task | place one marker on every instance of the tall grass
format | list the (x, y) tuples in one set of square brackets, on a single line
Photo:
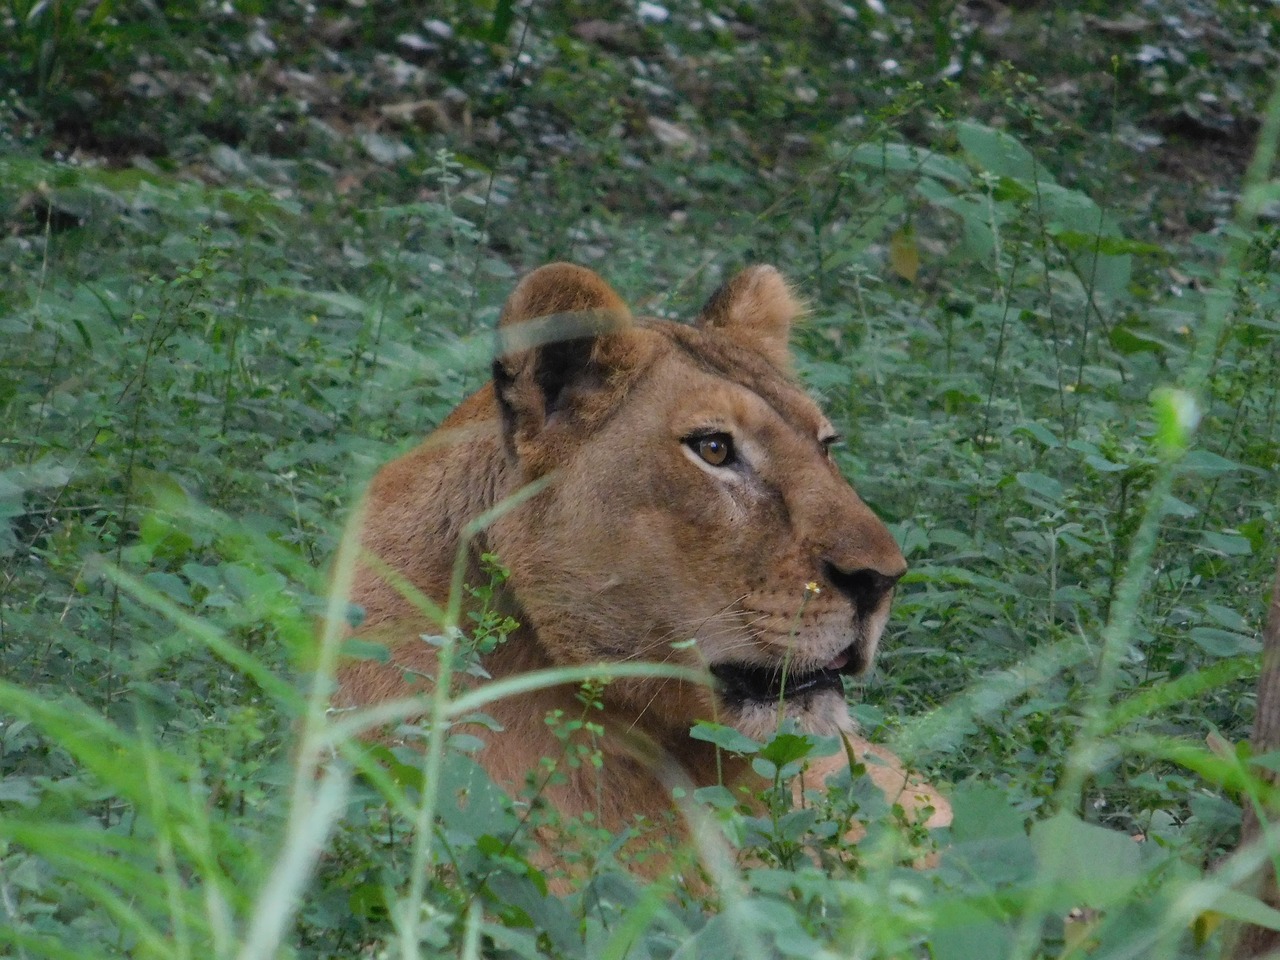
[(1080, 464)]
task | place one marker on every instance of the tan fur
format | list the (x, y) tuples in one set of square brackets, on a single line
[(758, 306), (635, 544)]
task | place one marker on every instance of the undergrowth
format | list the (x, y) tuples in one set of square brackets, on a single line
[(250, 254)]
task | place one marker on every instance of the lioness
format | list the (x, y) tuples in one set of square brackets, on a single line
[(689, 496)]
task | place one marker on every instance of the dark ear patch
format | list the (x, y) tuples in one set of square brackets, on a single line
[(559, 368), (557, 337), (561, 365)]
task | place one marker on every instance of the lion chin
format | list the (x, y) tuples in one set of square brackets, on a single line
[(686, 511)]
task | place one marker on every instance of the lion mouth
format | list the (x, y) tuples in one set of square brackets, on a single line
[(742, 683)]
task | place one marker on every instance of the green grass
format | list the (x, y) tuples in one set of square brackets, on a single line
[(224, 302)]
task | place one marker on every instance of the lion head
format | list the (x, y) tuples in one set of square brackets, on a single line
[(693, 512), (690, 511)]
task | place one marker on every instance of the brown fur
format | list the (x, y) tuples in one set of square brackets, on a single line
[(636, 544)]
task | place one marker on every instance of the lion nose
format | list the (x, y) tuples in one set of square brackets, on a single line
[(867, 588)]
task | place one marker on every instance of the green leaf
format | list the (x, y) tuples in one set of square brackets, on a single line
[(368, 900), (1129, 339), (1173, 507), (84, 334), (794, 825), (1122, 246), (786, 748), (982, 811), (975, 218), (1046, 487), (19, 790), (1090, 862), (1205, 463), (1256, 532), (990, 844), (1226, 617), (716, 796), (1246, 908), (1042, 433), (1230, 544), (1222, 643), (765, 768), (905, 158), (1102, 465), (726, 738), (1267, 761), (504, 14), (940, 574), (997, 152), (172, 587), (978, 938)]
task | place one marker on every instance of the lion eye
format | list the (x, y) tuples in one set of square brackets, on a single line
[(715, 448)]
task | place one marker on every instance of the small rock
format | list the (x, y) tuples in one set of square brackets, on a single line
[(413, 43), (261, 44), (142, 84), (382, 149), (438, 29), (1130, 25), (652, 12), (611, 35), (672, 135), (426, 114)]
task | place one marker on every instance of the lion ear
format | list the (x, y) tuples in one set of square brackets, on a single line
[(756, 307), (553, 339)]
